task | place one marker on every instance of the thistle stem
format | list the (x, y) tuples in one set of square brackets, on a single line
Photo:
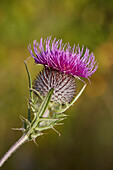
[(29, 133), (21, 141)]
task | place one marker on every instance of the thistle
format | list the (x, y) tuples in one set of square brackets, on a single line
[(53, 90)]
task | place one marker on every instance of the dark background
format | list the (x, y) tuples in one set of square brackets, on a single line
[(87, 135)]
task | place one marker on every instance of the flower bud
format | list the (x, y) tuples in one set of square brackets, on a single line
[(63, 84)]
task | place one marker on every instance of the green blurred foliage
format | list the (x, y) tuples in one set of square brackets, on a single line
[(87, 135)]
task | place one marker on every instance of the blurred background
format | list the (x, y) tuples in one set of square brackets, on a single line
[(86, 142)]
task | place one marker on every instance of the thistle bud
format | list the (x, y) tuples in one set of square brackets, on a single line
[(63, 84)]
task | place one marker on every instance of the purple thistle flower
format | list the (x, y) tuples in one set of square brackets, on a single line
[(56, 55)]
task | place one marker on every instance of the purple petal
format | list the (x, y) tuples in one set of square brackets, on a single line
[(62, 57)]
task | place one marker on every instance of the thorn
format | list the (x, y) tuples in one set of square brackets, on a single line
[(28, 101), (41, 134), (80, 79), (59, 124), (56, 131), (28, 105), (35, 142), (24, 119), (65, 115), (63, 118), (19, 129)]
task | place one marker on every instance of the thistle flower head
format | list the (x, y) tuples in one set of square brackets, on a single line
[(69, 60), (62, 63), (63, 85)]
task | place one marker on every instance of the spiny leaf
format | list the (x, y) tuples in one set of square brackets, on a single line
[(29, 78)]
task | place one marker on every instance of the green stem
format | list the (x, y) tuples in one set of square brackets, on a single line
[(27, 136)]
